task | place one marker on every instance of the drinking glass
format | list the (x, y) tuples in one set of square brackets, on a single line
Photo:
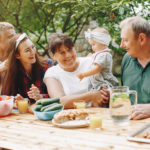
[(120, 104), (95, 121), (23, 105), (79, 105)]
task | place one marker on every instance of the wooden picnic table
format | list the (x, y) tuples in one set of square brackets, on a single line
[(25, 131)]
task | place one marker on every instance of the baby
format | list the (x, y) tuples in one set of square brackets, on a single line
[(100, 74)]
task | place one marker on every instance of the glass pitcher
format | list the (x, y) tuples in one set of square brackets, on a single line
[(120, 104)]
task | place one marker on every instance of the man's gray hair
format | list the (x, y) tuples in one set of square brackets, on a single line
[(138, 25)]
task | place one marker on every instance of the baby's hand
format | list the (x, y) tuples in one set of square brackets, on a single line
[(80, 76)]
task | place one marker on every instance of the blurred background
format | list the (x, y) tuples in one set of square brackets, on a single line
[(40, 18)]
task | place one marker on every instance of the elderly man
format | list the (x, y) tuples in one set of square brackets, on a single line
[(135, 34), (6, 32)]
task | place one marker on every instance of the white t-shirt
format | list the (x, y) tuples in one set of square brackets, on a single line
[(69, 80)]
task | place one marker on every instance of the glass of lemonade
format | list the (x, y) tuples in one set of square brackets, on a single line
[(95, 121), (120, 104), (23, 105), (79, 105)]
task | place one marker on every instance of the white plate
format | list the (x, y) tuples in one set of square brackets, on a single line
[(72, 124)]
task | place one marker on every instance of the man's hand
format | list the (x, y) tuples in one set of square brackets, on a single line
[(140, 111)]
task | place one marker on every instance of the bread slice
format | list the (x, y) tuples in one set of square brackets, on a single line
[(70, 114)]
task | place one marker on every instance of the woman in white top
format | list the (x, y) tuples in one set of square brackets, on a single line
[(61, 80)]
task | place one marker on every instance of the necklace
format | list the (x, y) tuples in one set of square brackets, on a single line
[(28, 76)]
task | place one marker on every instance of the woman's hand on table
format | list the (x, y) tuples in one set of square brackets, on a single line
[(140, 111), (34, 93)]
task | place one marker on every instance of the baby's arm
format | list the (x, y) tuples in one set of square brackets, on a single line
[(95, 69)]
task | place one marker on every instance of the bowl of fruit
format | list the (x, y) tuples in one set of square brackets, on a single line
[(46, 108), (6, 105)]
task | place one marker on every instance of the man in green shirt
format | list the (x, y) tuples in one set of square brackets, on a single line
[(135, 34)]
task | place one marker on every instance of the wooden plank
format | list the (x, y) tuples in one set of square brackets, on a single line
[(18, 130)]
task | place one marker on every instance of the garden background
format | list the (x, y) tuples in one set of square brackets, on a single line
[(40, 18)]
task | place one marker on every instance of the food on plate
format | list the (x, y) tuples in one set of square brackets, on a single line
[(147, 135), (70, 114)]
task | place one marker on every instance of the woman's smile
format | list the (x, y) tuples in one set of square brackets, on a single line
[(33, 57), (68, 60)]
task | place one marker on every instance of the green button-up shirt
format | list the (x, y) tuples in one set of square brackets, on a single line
[(136, 78)]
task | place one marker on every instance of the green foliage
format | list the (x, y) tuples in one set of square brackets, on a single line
[(39, 18)]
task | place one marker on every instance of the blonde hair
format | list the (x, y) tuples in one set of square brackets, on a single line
[(100, 30), (4, 26), (99, 35)]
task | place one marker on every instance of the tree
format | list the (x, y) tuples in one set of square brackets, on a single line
[(38, 18)]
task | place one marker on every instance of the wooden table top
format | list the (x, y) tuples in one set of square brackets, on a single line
[(25, 131)]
